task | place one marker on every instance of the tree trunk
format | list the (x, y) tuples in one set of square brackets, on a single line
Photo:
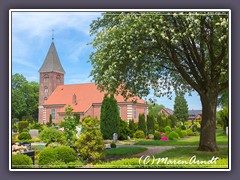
[(208, 123)]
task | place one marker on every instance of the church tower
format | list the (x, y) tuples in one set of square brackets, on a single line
[(51, 75)]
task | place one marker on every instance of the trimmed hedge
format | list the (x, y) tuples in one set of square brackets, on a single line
[(139, 134), (157, 136), (24, 136), (21, 161), (173, 135)]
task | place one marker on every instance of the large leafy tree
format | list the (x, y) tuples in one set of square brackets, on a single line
[(165, 51), (109, 118), (24, 97), (181, 107)]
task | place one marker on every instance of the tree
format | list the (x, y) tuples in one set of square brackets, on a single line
[(109, 118), (165, 51), (154, 108), (24, 98), (124, 130), (142, 123), (90, 144), (69, 126), (173, 120), (150, 124), (77, 117), (181, 108)]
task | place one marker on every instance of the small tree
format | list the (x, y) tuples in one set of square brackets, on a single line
[(142, 123), (109, 119), (90, 144), (124, 130), (159, 120), (49, 124), (77, 117), (181, 108), (69, 126), (150, 124), (173, 120)]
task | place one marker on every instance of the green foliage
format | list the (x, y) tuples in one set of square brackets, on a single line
[(124, 130), (90, 145), (142, 123), (189, 132), (181, 133), (24, 136), (159, 120), (65, 154), (36, 125), (14, 128), (162, 129), (154, 108), (132, 126), (183, 127), (168, 129), (173, 135), (77, 117), (53, 154), (69, 126), (123, 163), (157, 136), (75, 164), (224, 118), (50, 121), (181, 108), (51, 134), (21, 161), (110, 118), (150, 124), (113, 145), (173, 120), (24, 98), (139, 134), (124, 151), (22, 125)]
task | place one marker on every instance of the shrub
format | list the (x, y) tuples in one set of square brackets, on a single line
[(184, 133), (173, 120), (110, 118), (142, 123), (75, 164), (22, 125), (180, 133), (65, 154), (150, 124), (51, 134), (46, 156), (36, 125), (189, 132), (139, 134), (24, 136), (196, 133), (90, 144), (161, 129), (168, 129), (36, 140), (173, 135), (54, 144), (157, 136), (124, 130), (194, 127), (183, 127), (113, 145), (132, 126), (21, 161), (14, 128)]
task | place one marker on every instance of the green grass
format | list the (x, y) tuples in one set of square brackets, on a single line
[(124, 151), (176, 158), (39, 147), (189, 141)]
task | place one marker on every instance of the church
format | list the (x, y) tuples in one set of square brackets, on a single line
[(85, 99)]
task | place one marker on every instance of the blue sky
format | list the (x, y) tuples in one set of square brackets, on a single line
[(32, 36)]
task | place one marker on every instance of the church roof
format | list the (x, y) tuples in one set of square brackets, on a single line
[(80, 97), (52, 62)]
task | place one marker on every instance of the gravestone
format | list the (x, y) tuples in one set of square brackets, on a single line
[(34, 133), (115, 137), (226, 131)]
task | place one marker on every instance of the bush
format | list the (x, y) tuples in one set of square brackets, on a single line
[(75, 164), (139, 134), (173, 120), (46, 156), (183, 127), (132, 126), (65, 154), (90, 144), (124, 130), (184, 133), (113, 145), (150, 124), (54, 144), (51, 134), (22, 125), (168, 129), (161, 129), (157, 136), (24, 136), (36, 125), (14, 128), (173, 135), (142, 123), (189, 132), (21, 161)]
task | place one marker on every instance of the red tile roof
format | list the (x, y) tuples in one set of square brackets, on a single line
[(86, 95)]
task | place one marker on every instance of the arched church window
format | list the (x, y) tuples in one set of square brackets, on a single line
[(46, 89), (46, 78), (45, 99)]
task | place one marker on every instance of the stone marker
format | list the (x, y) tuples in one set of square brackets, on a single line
[(115, 137), (34, 133), (226, 131), (128, 138)]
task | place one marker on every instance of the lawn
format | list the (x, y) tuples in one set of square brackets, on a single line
[(187, 141), (176, 158), (124, 151)]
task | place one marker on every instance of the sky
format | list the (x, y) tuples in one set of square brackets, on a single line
[(32, 34)]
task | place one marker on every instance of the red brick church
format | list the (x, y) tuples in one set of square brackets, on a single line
[(85, 99)]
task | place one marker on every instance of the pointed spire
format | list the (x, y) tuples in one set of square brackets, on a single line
[(52, 62)]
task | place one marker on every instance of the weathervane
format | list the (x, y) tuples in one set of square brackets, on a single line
[(52, 34)]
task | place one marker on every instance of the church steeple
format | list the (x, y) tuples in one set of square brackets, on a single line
[(52, 62)]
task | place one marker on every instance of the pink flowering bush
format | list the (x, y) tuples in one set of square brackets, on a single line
[(164, 138)]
